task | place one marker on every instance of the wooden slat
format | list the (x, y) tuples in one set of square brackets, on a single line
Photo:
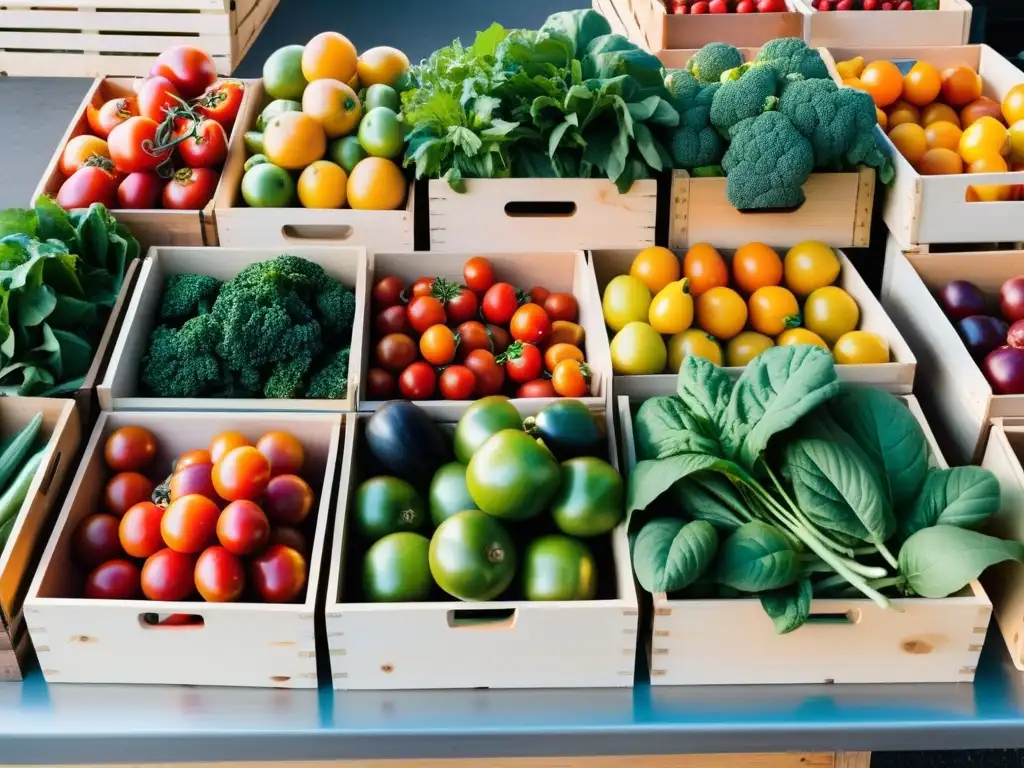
[(48, 64), (126, 5), (215, 45), (208, 23)]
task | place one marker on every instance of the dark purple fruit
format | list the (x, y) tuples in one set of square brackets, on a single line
[(1011, 299), (982, 334), (1004, 369), (961, 299)]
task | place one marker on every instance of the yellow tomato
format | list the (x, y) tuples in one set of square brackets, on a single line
[(721, 312), (656, 267), (773, 309), (672, 309), (1017, 141), (989, 193), (745, 347), (795, 337), (987, 136), (830, 312), (695, 343), (626, 300), (1013, 104), (638, 350), (850, 68), (322, 185), (861, 348), (809, 266)]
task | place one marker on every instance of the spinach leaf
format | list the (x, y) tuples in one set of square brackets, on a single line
[(666, 426), (651, 478), (670, 554), (713, 498), (705, 389), (757, 558), (942, 560), (581, 27), (789, 608), (962, 496)]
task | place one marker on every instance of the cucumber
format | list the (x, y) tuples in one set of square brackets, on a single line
[(15, 452), (14, 495), (5, 532)]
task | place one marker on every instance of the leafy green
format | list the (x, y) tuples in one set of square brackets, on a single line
[(962, 496), (940, 561), (789, 608), (711, 497), (672, 554), (757, 558)]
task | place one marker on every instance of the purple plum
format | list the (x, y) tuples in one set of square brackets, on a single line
[(982, 334), (1004, 369), (961, 299), (1011, 299)]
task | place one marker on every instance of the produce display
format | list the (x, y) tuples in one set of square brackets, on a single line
[(20, 460), (230, 523), (696, 7), (941, 122), (329, 134), (788, 486), (505, 502), (164, 147), (461, 342), (875, 5), (278, 329), (730, 311)]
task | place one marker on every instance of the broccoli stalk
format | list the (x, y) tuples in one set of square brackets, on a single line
[(767, 164)]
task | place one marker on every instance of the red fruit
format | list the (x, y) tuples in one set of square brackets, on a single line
[(745, 6), (825, 5), (279, 574), (288, 500), (530, 323), (771, 6), (718, 6), (243, 528), (417, 382), (219, 576), (391, 320), (872, 5), (139, 530), (242, 473), (537, 388), (462, 307), (425, 311), (168, 575), (679, 10), (130, 449), (387, 292), (1011, 299), (140, 191), (489, 375), (500, 303), (844, 5), (380, 385), (95, 540), (195, 478), (284, 452), (699, 7), (290, 537), (885, 6), (114, 580), (189, 524), (190, 69), (1015, 336), (457, 383), (124, 490), (906, 5)]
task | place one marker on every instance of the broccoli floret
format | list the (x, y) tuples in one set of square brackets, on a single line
[(180, 362), (287, 378), (708, 64), (186, 296), (695, 143), (748, 96), (791, 56), (331, 381), (682, 88), (767, 164)]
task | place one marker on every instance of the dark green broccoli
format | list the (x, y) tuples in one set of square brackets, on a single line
[(180, 362), (767, 164), (682, 87), (330, 382), (708, 64), (694, 142), (186, 296), (791, 56), (754, 92)]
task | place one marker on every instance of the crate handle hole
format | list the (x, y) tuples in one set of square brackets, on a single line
[(538, 209), (851, 616), (493, 618), (324, 233), (51, 472), (171, 621)]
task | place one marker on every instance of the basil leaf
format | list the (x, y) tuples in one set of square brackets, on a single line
[(670, 554), (789, 608), (942, 560), (757, 558), (964, 497)]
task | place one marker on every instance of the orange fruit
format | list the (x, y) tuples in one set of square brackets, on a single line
[(705, 268), (322, 185), (884, 81), (979, 108), (883, 119), (1017, 142), (1013, 104), (376, 184), (910, 140), (989, 193), (960, 85), (655, 267), (903, 112), (940, 162), (294, 140), (986, 137), (382, 64), (334, 105), (329, 56), (754, 266), (935, 113), (721, 312), (989, 164), (922, 84), (943, 135)]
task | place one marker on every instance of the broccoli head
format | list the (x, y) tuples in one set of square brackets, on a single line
[(748, 96), (180, 362), (708, 64), (791, 56), (695, 143), (767, 164), (186, 296), (330, 382), (682, 88)]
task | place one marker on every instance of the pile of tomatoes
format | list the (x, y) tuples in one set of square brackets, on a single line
[(471, 340), (228, 522), (163, 147)]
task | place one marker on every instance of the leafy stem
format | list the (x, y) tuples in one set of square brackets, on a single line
[(825, 539), (885, 553)]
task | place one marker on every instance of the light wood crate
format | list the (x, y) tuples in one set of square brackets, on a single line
[(540, 215), (150, 227), (558, 271), (237, 644), (949, 25), (956, 395), (93, 38), (457, 642), (239, 226), (733, 642), (896, 376), (62, 433), (119, 390)]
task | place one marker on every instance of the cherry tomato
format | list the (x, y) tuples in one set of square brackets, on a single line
[(221, 101), (242, 473), (207, 148), (537, 388), (561, 306), (114, 580), (124, 490), (219, 576), (523, 362), (391, 320), (380, 385), (130, 449), (128, 142), (490, 377), (243, 528), (417, 382), (139, 530), (156, 97), (500, 303), (478, 274), (425, 311), (190, 189), (189, 523), (437, 345), (89, 184), (422, 287), (196, 456), (530, 323), (539, 294), (556, 353), (168, 575), (195, 478), (462, 307), (279, 574), (110, 115), (457, 383), (571, 378), (472, 335), (284, 451), (396, 352), (500, 338), (140, 191), (387, 292), (288, 500), (81, 150), (290, 537), (191, 69), (224, 442), (95, 540)]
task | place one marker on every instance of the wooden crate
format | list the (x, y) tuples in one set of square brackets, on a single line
[(950, 25), (558, 271), (457, 643), (240, 226), (733, 642), (957, 396), (236, 644), (119, 390), (62, 432), (94, 38), (540, 215), (896, 377)]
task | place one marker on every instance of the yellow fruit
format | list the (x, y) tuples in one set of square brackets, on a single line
[(721, 312), (883, 119), (773, 309), (795, 337), (323, 185), (692, 343), (656, 267), (376, 184), (942, 134), (851, 68), (910, 140), (382, 64), (329, 55), (745, 347), (671, 310), (626, 300), (861, 348), (1017, 142), (987, 136), (903, 112), (294, 140), (830, 312), (638, 350), (334, 105), (809, 266)]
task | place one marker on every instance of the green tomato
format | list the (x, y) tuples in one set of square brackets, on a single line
[(397, 569), (512, 476), (380, 95), (626, 299), (386, 505), (275, 108), (448, 492), (266, 185), (484, 418), (559, 568), (254, 160), (638, 350), (380, 133), (472, 556), (346, 152), (253, 142), (282, 73), (591, 498)]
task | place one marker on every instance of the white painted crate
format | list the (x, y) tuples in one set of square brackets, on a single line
[(733, 642), (369, 643), (949, 25), (119, 390), (237, 644)]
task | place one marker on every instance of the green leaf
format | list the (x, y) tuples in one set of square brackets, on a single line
[(648, 146), (7, 337), (18, 221), (486, 42), (670, 554), (705, 390), (94, 234), (581, 27), (54, 224), (650, 479), (962, 496), (75, 354), (940, 561), (560, 130), (667, 426), (789, 608), (713, 498), (757, 558), (665, 115), (643, 110)]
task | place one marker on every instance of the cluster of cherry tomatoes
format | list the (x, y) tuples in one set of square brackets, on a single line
[(221, 504), (163, 147), (471, 340), (698, 7)]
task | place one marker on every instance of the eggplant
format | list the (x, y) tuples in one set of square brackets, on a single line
[(982, 334), (1004, 369), (406, 442), (961, 299), (1011, 299), (568, 429), (1015, 336)]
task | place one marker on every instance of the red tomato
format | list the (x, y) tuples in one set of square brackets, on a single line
[(219, 576), (537, 388), (139, 531), (500, 303), (207, 148), (279, 574), (243, 528), (500, 338), (530, 323), (396, 352), (111, 114), (417, 382), (437, 345), (539, 294), (140, 191), (193, 479), (95, 540), (457, 383), (490, 377), (290, 537), (88, 185), (380, 385), (523, 362), (561, 306), (462, 307), (82, 150), (472, 335), (221, 101), (242, 473), (124, 490), (478, 274), (288, 500), (571, 378), (132, 146), (224, 442), (391, 320), (189, 523), (114, 580), (190, 189), (284, 451), (425, 311), (168, 575), (191, 69), (196, 456), (387, 292), (422, 287), (157, 97), (130, 449)]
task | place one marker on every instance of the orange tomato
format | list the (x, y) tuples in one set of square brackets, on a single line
[(989, 193), (655, 267), (910, 140), (705, 268), (986, 137), (284, 452), (960, 85), (773, 309), (81, 150), (556, 353), (883, 81), (242, 473), (754, 266), (903, 112), (1013, 104), (979, 108), (922, 84), (437, 344), (225, 442), (188, 458), (935, 113), (940, 162), (883, 119), (571, 378), (190, 523), (943, 135), (721, 312)]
